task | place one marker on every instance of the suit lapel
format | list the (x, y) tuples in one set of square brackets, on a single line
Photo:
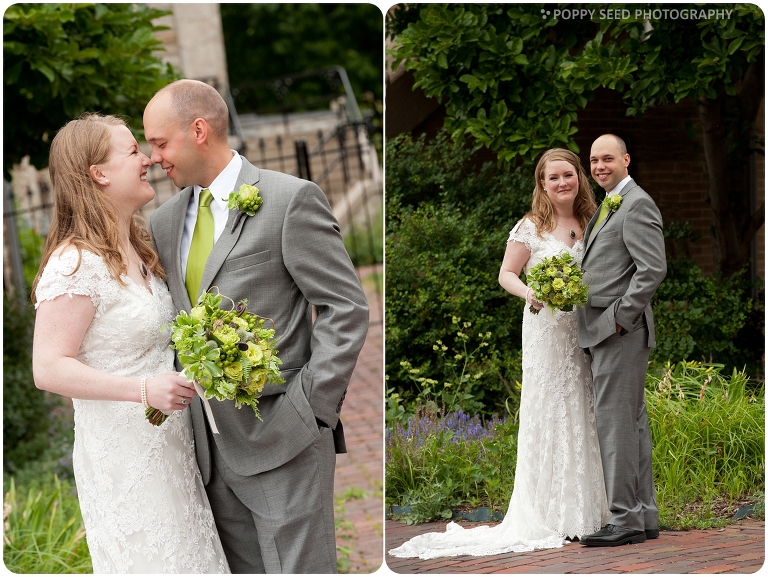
[(627, 187), (597, 229), (176, 276), (249, 174), (590, 236)]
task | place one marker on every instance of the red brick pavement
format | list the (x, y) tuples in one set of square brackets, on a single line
[(738, 548), (359, 478)]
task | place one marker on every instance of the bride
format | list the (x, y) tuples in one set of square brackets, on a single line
[(559, 491), (101, 338)]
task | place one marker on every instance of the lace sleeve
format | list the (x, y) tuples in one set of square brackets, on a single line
[(92, 279), (524, 232)]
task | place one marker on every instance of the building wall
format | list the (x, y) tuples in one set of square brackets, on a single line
[(194, 41), (668, 162)]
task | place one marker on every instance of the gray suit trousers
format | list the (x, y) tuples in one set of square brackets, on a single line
[(619, 364), (281, 520)]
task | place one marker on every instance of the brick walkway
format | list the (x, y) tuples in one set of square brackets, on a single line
[(360, 473), (738, 548)]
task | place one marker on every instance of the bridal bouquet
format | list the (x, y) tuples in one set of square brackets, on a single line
[(228, 353), (558, 282)]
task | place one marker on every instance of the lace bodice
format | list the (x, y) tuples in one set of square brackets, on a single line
[(559, 490), (140, 491), (542, 246), (128, 334)]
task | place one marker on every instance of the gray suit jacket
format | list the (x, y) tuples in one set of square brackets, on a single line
[(287, 257), (625, 257)]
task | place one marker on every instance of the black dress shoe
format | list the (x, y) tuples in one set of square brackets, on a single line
[(613, 535), (651, 533)]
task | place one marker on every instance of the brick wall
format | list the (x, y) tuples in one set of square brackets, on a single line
[(668, 162), (664, 160)]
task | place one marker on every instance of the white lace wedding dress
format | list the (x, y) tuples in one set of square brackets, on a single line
[(559, 491), (140, 490)]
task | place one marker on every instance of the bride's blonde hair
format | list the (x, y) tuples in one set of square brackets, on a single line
[(83, 215), (542, 213)]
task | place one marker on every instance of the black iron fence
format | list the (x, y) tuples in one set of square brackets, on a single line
[(340, 160)]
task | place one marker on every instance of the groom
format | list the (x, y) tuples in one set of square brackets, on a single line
[(269, 482), (624, 254)]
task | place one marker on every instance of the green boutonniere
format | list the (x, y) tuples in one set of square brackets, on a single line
[(245, 200), (613, 202)]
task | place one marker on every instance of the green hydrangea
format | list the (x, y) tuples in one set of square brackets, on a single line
[(246, 199), (558, 282), (227, 352)]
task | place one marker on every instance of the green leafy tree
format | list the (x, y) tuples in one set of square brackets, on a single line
[(267, 41), (60, 60), (513, 80)]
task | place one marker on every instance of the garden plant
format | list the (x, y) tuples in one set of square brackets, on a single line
[(708, 457)]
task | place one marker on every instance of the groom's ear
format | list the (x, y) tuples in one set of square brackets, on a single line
[(199, 130)]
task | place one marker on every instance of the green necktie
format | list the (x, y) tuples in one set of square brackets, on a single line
[(600, 217), (201, 246)]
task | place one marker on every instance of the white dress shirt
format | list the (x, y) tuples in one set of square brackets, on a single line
[(616, 189), (220, 189)]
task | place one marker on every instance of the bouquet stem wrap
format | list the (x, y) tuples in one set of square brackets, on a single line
[(206, 405)]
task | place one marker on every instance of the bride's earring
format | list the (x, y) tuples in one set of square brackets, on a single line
[(98, 176)]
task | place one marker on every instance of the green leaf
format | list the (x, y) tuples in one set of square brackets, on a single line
[(735, 44), (213, 369), (45, 70)]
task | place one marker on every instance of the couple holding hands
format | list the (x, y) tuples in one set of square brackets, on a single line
[(256, 497)]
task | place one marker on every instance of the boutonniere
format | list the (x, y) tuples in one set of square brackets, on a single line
[(245, 200), (613, 202)]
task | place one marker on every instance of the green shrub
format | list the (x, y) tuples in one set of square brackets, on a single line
[(31, 246), (447, 226), (26, 410), (44, 531), (698, 317), (472, 361)]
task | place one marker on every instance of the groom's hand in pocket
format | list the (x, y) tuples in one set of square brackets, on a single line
[(170, 391)]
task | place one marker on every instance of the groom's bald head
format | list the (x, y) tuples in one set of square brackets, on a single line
[(192, 99)]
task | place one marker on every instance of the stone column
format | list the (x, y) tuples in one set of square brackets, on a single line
[(194, 41)]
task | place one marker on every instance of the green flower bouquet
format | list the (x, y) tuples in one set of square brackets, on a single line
[(228, 353), (558, 282)]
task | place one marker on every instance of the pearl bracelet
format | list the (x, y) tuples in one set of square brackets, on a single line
[(526, 295), (144, 392)]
